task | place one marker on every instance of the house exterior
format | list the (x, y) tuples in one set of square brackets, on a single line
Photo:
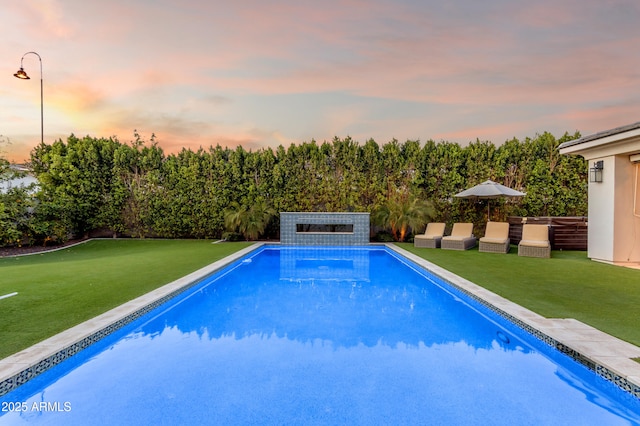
[(24, 181), (614, 193)]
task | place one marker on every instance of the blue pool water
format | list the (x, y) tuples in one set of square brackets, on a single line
[(320, 336)]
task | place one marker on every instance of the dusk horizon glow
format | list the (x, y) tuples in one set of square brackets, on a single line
[(206, 73)]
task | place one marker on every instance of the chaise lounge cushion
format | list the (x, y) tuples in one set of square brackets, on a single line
[(535, 241), (461, 237), (434, 229), (535, 235), (460, 231), (496, 232), (431, 237), (496, 238)]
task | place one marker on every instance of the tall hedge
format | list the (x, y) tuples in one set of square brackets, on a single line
[(136, 189)]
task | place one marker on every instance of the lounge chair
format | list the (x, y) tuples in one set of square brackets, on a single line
[(461, 237), (496, 238), (431, 237), (535, 241)]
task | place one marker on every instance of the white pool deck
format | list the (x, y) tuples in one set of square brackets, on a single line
[(601, 349)]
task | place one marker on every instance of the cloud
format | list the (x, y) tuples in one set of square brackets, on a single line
[(43, 19), (75, 98), (594, 118), (263, 73)]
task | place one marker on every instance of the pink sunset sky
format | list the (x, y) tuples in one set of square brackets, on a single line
[(263, 73)]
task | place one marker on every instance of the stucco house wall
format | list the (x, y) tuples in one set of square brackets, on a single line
[(601, 216), (614, 203), (626, 236)]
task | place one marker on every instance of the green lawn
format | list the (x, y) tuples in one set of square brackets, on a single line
[(568, 285), (58, 290)]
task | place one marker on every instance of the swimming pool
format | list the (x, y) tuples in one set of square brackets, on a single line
[(320, 336)]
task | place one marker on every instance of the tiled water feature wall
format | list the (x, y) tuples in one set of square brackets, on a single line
[(324, 229)]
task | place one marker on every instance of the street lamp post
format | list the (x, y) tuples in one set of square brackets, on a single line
[(21, 74)]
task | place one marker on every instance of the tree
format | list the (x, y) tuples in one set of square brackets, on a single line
[(479, 162), (139, 182), (250, 222), (371, 176), (442, 168), (403, 215), (77, 177), (89, 183), (15, 207), (17, 204)]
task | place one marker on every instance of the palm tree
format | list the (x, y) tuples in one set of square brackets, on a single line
[(404, 214), (249, 222)]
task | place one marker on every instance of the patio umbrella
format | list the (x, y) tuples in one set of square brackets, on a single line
[(488, 190)]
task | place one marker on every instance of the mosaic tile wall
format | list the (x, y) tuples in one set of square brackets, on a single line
[(289, 236)]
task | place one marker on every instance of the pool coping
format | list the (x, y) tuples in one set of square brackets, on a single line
[(607, 356)]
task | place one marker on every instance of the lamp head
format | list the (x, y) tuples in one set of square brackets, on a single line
[(21, 74)]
